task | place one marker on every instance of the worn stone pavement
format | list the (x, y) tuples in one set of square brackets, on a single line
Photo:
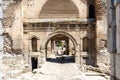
[(57, 69), (62, 71)]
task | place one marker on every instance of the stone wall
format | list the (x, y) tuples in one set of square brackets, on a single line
[(101, 32), (30, 9), (43, 37), (15, 12), (36, 6), (7, 43), (12, 22)]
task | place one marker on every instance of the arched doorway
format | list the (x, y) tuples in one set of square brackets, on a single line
[(61, 46)]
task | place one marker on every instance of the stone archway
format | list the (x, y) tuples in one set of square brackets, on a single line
[(67, 35)]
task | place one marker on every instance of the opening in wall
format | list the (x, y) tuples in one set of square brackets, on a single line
[(34, 44), (91, 11), (85, 44), (34, 61)]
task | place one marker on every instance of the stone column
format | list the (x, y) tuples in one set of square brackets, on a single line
[(52, 46), (38, 45), (118, 26), (81, 44), (40, 53), (1, 38), (112, 37), (67, 46), (68, 27), (27, 53), (77, 55), (117, 67), (81, 50), (40, 59), (30, 45), (111, 27), (26, 50)]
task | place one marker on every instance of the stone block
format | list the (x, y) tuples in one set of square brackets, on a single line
[(15, 73), (117, 66), (113, 64), (77, 60), (112, 40)]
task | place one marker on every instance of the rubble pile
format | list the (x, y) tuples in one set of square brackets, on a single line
[(103, 65), (12, 66), (100, 70), (104, 61)]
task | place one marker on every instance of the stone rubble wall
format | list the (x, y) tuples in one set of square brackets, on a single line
[(103, 61), (101, 32), (12, 23), (9, 13), (7, 43), (12, 66), (100, 8), (101, 24), (9, 8)]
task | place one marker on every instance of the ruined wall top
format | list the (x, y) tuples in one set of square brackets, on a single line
[(101, 8), (32, 8)]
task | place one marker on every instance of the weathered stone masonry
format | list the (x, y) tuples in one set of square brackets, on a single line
[(41, 18)]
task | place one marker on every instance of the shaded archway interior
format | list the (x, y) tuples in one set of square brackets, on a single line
[(59, 51), (59, 8)]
